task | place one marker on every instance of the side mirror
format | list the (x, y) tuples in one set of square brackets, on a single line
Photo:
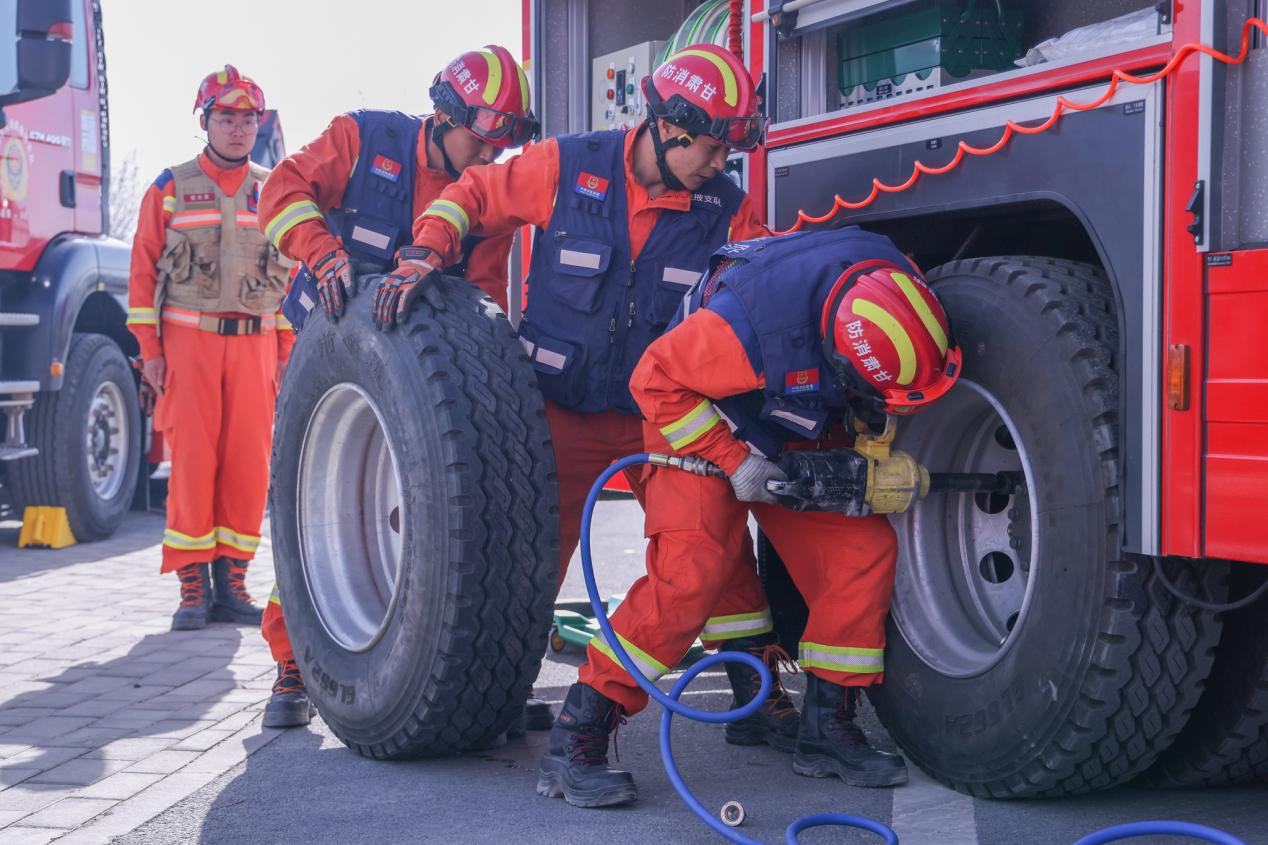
[(35, 48)]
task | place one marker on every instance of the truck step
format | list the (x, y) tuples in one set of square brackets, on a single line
[(10, 319), (19, 387), (13, 453)]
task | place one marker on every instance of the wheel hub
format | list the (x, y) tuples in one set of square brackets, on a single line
[(106, 438), (966, 563), (350, 517)]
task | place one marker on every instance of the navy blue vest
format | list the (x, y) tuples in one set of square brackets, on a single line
[(591, 310), (376, 216), (773, 297)]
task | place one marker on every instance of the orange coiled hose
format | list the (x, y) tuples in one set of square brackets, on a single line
[(963, 149)]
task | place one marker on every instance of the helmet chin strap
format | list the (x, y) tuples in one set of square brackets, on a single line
[(438, 131), (671, 181)]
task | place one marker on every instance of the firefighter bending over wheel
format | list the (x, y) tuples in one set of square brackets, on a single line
[(789, 342), (346, 202), (627, 223), (203, 301)]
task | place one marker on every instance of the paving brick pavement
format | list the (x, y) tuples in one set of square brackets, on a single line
[(107, 718)]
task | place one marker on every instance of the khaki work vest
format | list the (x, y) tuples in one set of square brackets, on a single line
[(216, 258)]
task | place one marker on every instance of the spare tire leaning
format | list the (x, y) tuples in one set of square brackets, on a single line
[(415, 523)]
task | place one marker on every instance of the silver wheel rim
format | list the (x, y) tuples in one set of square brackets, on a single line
[(106, 441), (350, 517), (967, 564)]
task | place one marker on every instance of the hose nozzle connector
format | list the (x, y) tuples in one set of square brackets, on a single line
[(686, 463)]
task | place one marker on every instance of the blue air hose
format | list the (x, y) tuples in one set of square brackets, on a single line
[(673, 706)]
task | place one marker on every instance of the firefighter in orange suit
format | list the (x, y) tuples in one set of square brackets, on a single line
[(203, 302), (350, 197), (626, 222), (789, 342)]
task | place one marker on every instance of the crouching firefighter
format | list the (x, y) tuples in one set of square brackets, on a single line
[(790, 342), (627, 222), (203, 298), (346, 202)]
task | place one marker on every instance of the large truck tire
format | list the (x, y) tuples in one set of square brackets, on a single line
[(89, 438), (1225, 742), (414, 520), (1026, 654)]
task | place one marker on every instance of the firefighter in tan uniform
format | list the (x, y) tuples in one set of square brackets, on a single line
[(204, 297)]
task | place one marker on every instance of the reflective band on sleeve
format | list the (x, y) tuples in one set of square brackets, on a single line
[(290, 217), (169, 204), (142, 317), (371, 237), (275, 597), (648, 665), (282, 322), (862, 661), (692, 427), (737, 625), (678, 276), (184, 542), (452, 214), (576, 258), (241, 542)]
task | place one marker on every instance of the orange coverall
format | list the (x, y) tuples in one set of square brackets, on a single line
[(313, 181), (844, 566), (521, 192), (216, 410)]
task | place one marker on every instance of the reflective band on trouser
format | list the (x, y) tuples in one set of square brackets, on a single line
[(692, 427), (142, 317), (736, 626), (451, 213), (290, 217), (282, 322), (648, 665), (242, 542), (858, 661), (184, 542)]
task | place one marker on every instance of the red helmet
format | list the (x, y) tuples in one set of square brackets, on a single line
[(706, 90), (888, 337), (229, 90), (486, 92)]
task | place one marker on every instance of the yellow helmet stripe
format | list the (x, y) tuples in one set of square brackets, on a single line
[(494, 86), (895, 332), (921, 307), (730, 87)]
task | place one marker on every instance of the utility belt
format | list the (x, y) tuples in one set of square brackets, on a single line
[(229, 326)]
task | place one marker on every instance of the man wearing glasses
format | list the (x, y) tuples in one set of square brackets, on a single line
[(203, 300), (346, 202)]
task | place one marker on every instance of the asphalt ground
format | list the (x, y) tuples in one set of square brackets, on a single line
[(305, 787)]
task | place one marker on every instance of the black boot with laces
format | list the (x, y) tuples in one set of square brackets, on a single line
[(575, 765)]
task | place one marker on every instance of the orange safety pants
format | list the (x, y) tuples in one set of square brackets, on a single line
[(700, 582), (217, 413)]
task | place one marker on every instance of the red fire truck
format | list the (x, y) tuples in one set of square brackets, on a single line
[(1107, 274)]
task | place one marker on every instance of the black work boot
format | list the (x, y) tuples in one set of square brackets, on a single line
[(289, 707), (535, 715), (830, 743), (575, 765), (230, 600), (195, 609), (776, 723)]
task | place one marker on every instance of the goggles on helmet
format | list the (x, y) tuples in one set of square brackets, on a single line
[(515, 130), (741, 133)]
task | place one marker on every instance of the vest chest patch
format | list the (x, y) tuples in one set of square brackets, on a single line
[(707, 200), (594, 187), (385, 168), (801, 381), (205, 196)]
